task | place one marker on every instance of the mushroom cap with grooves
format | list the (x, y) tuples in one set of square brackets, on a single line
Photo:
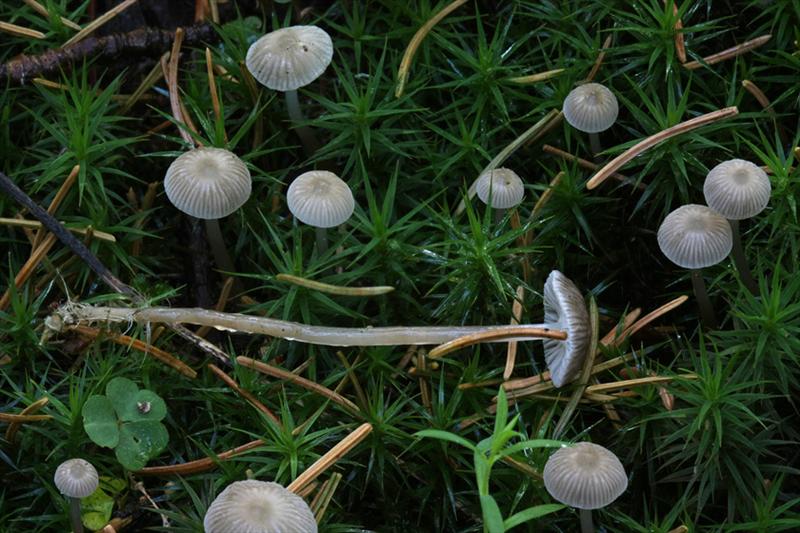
[(584, 476), (565, 309), (503, 185), (76, 478), (208, 183), (320, 198), (695, 236), (591, 108), (737, 189), (290, 58), (253, 506)]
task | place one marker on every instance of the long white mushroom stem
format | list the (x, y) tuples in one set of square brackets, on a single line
[(594, 144), (703, 301), (740, 261), (218, 248), (322, 240), (307, 137), (73, 314)]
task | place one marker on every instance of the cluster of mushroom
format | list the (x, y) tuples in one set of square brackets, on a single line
[(697, 236), (211, 183)]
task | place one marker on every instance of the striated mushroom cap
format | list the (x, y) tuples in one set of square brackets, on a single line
[(737, 189), (503, 185), (290, 58), (208, 183), (565, 309), (253, 506), (585, 476), (591, 108), (695, 236), (320, 198), (76, 478)]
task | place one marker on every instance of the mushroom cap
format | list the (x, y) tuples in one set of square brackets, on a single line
[(585, 476), (695, 236), (737, 189), (76, 478), (591, 108), (565, 309), (320, 198), (253, 506), (208, 183), (504, 186), (290, 58)]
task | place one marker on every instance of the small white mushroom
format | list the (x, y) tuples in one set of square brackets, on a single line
[(76, 479), (320, 199)]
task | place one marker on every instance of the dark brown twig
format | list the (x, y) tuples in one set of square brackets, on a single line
[(146, 40)]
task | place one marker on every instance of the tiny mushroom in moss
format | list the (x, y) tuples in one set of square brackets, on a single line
[(290, 58), (695, 236), (253, 506), (591, 108), (209, 183), (565, 309), (738, 189), (585, 476), (500, 188), (76, 479), (320, 199)]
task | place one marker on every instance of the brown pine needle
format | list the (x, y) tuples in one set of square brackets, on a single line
[(334, 289), (729, 53), (39, 8), (99, 21), (199, 465), (155, 74), (588, 165), (600, 58), (171, 75), (416, 41), (619, 161), (35, 224), (535, 78), (680, 45), (13, 427), (516, 316), (333, 455), (230, 382), (351, 375), (36, 257), (324, 496), (636, 382), (614, 337), (649, 317), (493, 335), (759, 95), (58, 198), (6, 417), (298, 380), (147, 203), (212, 89), (124, 340), (20, 31)]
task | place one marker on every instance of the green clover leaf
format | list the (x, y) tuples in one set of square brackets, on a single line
[(128, 420)]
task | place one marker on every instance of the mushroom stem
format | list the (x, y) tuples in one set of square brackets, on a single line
[(75, 515), (703, 301), (594, 144), (587, 526), (307, 137), (71, 314), (498, 215), (322, 240), (740, 261), (221, 256)]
